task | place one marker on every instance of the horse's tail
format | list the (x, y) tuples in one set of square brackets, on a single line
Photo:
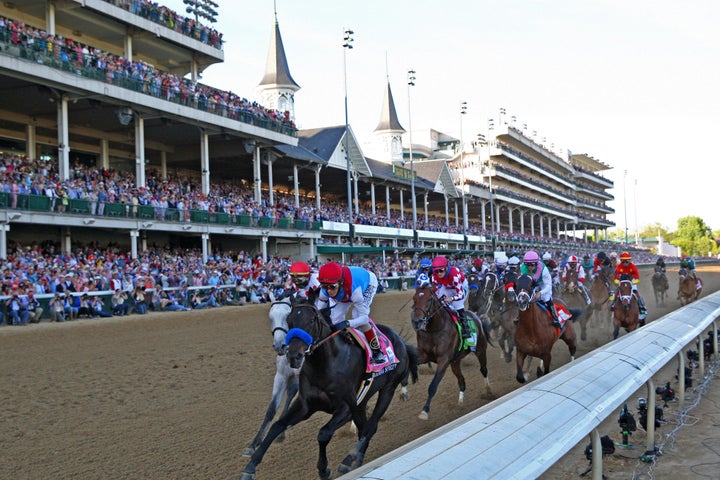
[(413, 360)]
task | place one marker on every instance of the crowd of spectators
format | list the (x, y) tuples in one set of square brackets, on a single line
[(92, 62)]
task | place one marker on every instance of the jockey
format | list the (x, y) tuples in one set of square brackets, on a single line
[(500, 265), (689, 264), (303, 278), (626, 267), (451, 287), (600, 261), (511, 273), (613, 259), (423, 272), (343, 287), (541, 277), (587, 265), (660, 263), (479, 267), (572, 264), (552, 268), (513, 264)]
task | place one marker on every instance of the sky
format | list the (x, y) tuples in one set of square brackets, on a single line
[(634, 84)]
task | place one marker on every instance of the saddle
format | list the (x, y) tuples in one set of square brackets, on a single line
[(563, 314), (385, 345), (465, 343)]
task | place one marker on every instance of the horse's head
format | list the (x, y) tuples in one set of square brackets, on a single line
[(524, 291), (278, 324), (683, 273), (425, 303), (307, 326), (571, 280), (625, 288)]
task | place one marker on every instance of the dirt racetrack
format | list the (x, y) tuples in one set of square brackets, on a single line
[(179, 395)]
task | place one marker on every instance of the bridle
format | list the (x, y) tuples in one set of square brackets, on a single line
[(433, 306), (625, 299), (320, 329)]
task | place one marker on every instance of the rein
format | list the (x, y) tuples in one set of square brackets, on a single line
[(315, 345)]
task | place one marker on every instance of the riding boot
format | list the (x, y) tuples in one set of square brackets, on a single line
[(378, 357), (551, 308), (585, 295), (464, 327), (641, 304)]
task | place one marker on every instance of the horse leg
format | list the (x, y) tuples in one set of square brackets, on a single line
[(297, 412), (519, 361), (432, 388), (356, 456), (281, 386), (544, 367), (455, 367), (339, 418)]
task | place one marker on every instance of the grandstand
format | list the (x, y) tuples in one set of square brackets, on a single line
[(112, 88)]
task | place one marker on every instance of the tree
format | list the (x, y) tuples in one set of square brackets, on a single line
[(654, 230), (694, 237)]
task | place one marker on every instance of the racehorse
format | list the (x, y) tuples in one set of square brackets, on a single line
[(474, 292), (505, 316), (600, 296), (439, 341), (574, 299), (333, 370), (626, 310), (285, 382), (660, 285), (535, 335), (488, 289), (688, 288)]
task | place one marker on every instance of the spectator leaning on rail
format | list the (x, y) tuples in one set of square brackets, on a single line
[(572, 265), (342, 287), (451, 287), (533, 266), (627, 268)]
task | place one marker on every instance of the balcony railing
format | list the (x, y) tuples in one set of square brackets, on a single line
[(44, 204)]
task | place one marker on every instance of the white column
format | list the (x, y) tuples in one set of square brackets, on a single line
[(104, 153), (66, 245), (542, 227), (134, 234), (447, 211), (128, 44), (457, 217), (264, 244), (296, 185), (522, 222), (50, 17), (357, 198), (510, 220), (63, 139), (205, 237), (387, 200), (317, 187), (482, 214), (425, 202), (4, 228), (163, 164), (532, 223), (205, 162), (30, 142), (258, 176), (372, 196), (402, 205), (271, 179), (139, 150)]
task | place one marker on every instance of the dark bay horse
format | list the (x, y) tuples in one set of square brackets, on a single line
[(688, 288), (600, 291), (535, 334), (439, 341), (332, 370), (660, 285), (572, 296), (626, 311), (505, 316), (488, 289), (475, 299)]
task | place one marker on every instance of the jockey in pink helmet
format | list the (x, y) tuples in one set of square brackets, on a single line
[(532, 265)]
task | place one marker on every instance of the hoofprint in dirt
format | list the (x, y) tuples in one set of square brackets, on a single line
[(179, 395)]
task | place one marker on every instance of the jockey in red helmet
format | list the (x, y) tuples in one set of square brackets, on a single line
[(627, 267), (302, 277), (573, 265), (342, 287)]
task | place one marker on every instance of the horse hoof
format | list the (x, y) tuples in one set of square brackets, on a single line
[(248, 452), (247, 476), (423, 415), (280, 438), (326, 475), (405, 396), (461, 398)]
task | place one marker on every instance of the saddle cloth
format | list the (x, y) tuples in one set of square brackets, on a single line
[(385, 345)]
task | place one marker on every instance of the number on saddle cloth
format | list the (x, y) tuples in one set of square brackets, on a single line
[(386, 347)]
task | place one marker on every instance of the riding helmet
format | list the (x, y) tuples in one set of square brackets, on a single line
[(546, 256), (501, 260), (330, 273), (531, 256), (300, 269), (478, 262), (572, 259), (601, 256), (439, 262), (625, 256)]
